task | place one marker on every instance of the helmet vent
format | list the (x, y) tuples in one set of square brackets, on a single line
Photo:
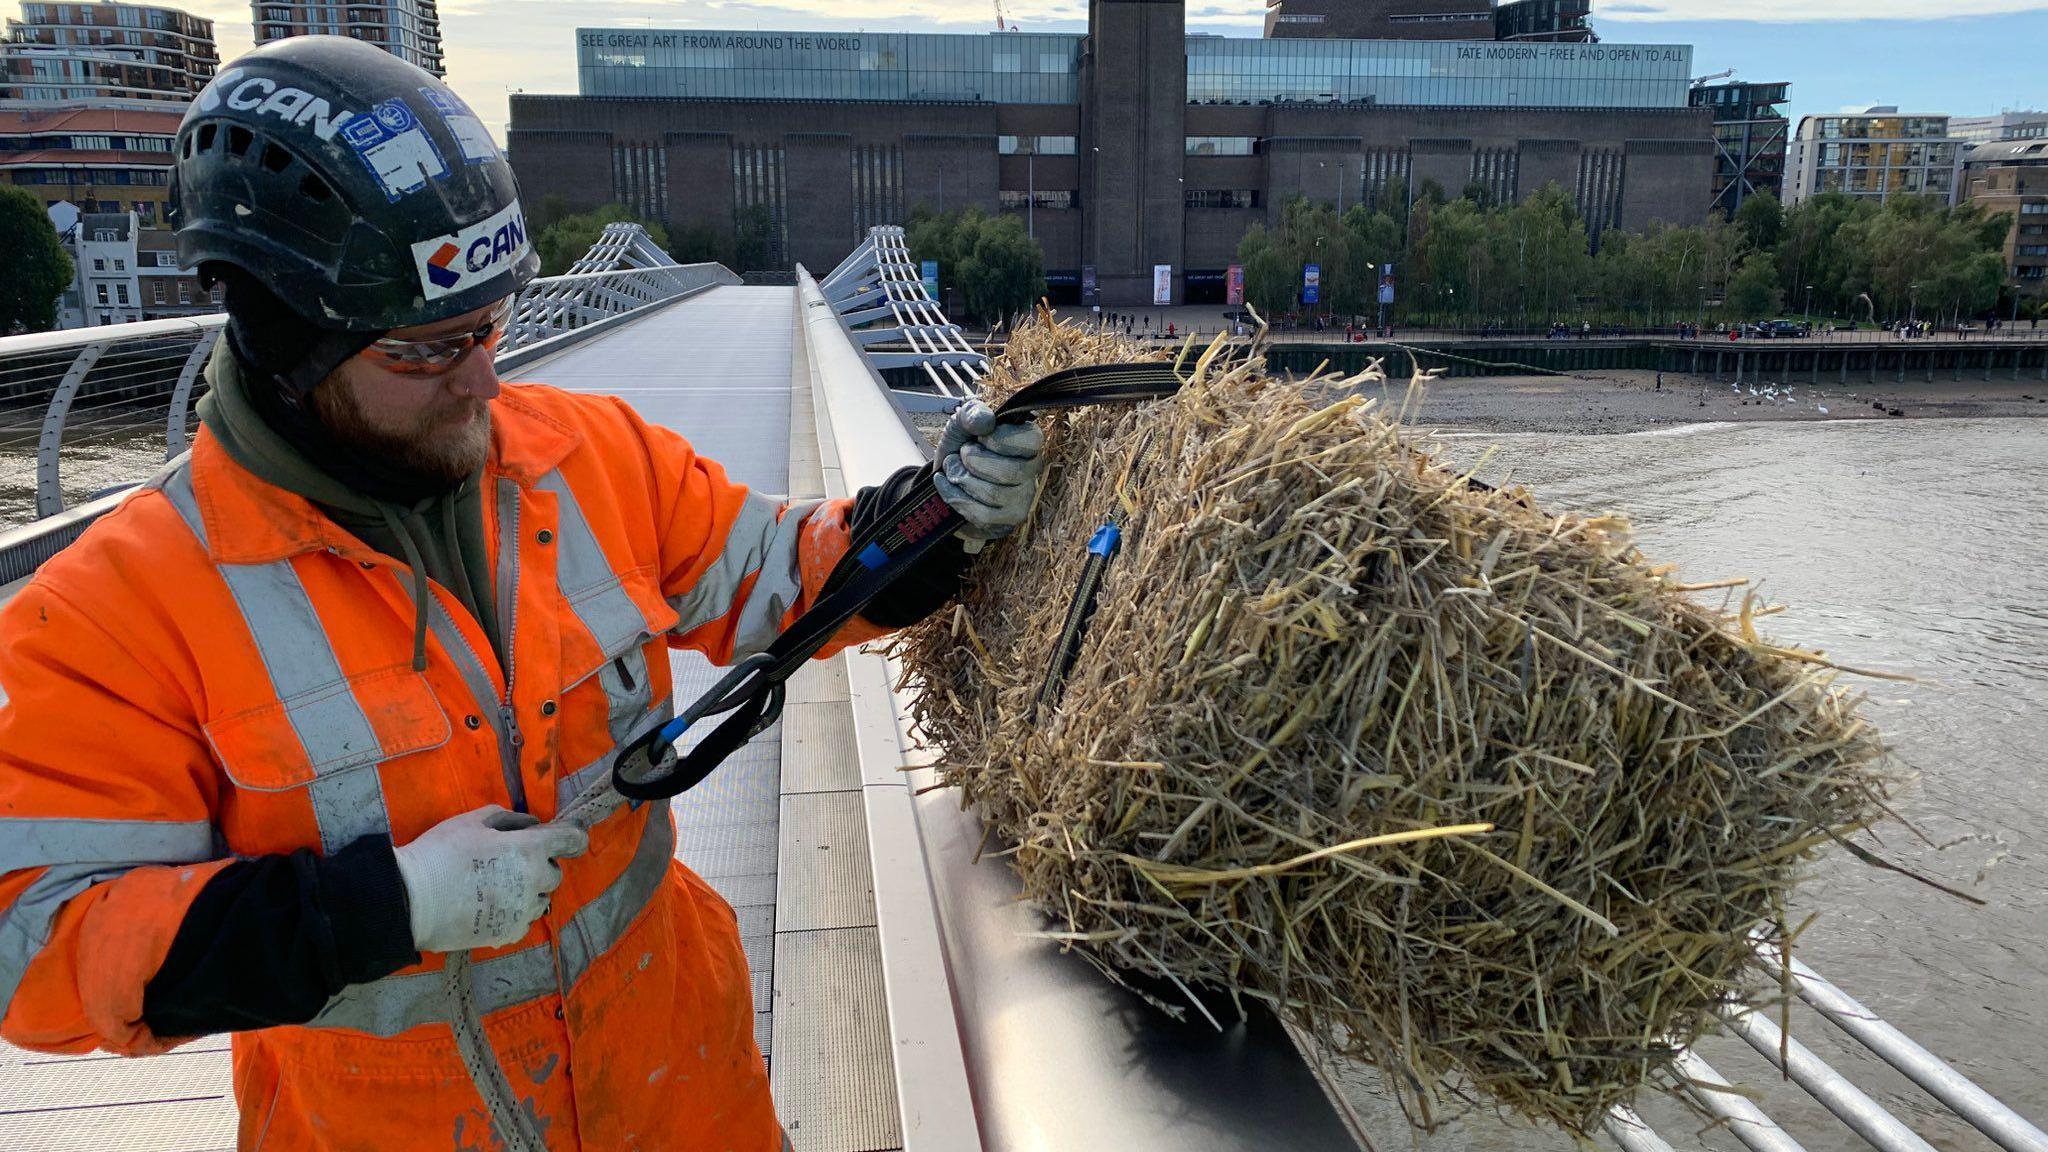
[(276, 159), (315, 189), (206, 135), (239, 139)]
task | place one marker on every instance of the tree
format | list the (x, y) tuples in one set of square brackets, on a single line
[(37, 268), (703, 244), (997, 268), (542, 216), (1754, 292), (1760, 220), (1002, 271), (567, 239), (1268, 272)]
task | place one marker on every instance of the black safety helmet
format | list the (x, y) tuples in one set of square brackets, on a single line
[(356, 187)]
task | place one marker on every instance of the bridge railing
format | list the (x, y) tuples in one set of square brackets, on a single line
[(87, 413)]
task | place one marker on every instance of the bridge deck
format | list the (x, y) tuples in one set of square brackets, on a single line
[(778, 831)]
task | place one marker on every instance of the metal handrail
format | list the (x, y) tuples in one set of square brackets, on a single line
[(124, 393)]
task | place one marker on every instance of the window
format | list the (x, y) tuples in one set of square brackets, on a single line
[(121, 291), (1041, 198), (99, 263), (1009, 62), (156, 292), (105, 235), (102, 292), (1055, 62), (1222, 145), (1222, 198), (184, 292), (167, 259), (120, 265), (1040, 145)]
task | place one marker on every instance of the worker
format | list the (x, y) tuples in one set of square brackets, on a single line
[(285, 732)]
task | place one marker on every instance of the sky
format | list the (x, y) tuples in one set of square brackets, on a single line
[(1981, 57)]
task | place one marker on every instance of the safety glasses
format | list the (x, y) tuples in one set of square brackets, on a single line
[(437, 356)]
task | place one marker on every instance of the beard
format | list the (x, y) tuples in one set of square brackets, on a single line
[(444, 444)]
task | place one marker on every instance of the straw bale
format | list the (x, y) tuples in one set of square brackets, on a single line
[(1323, 666)]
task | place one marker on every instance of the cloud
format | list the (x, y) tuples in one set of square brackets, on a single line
[(1805, 11)]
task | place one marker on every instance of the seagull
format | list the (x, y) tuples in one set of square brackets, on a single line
[(1823, 409)]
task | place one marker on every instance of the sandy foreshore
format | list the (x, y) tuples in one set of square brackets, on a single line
[(1633, 401)]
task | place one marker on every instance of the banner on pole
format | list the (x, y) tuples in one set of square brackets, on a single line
[(1233, 285), (1311, 283), (1088, 295), (1162, 283), (1386, 284), (931, 278)]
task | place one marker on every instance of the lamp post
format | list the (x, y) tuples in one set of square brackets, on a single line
[(1031, 190), (1809, 304), (1913, 304), (1699, 317), (1319, 271)]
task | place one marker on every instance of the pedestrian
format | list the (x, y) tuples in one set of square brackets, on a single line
[(1169, 330), (286, 733)]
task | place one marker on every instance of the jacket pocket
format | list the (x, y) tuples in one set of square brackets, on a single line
[(351, 724)]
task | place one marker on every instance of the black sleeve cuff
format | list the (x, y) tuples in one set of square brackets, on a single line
[(271, 939), (364, 898)]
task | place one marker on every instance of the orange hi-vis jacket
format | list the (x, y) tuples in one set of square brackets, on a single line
[(217, 670)]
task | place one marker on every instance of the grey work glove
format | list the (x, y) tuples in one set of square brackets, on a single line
[(988, 472), (480, 880)]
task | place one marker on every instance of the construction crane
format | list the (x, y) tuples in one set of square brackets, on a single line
[(1697, 81), (1001, 21)]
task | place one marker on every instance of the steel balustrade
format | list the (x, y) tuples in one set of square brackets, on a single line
[(881, 300), (120, 396)]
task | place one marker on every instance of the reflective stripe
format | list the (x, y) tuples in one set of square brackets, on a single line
[(474, 675), (31, 842), (568, 787), (758, 542), (25, 926), (602, 923), (394, 1004), (627, 689), (594, 592), (346, 794)]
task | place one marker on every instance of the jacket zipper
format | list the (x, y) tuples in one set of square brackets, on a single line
[(510, 740)]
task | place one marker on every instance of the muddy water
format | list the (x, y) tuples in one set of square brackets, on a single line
[(1919, 547)]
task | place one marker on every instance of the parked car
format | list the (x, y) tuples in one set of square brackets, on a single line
[(1780, 330)]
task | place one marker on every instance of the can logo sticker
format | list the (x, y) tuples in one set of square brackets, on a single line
[(440, 274), (262, 96), (469, 132), (465, 259), (395, 148)]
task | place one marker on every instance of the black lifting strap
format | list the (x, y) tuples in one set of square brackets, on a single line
[(751, 693)]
